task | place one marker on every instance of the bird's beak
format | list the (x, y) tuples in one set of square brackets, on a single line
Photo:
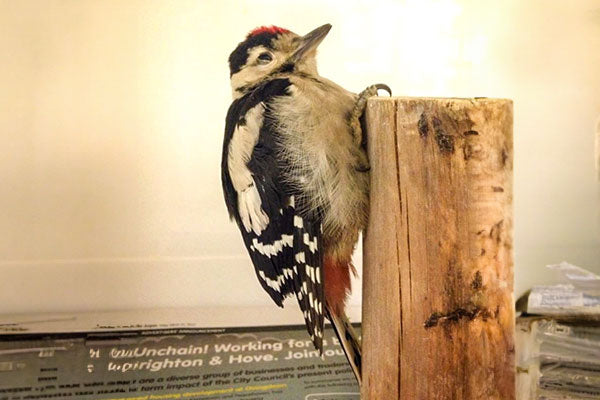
[(310, 41)]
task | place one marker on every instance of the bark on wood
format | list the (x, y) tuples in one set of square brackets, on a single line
[(438, 315)]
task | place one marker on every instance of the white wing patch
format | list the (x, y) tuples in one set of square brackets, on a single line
[(252, 215), (241, 146), (312, 245), (272, 283), (298, 222), (300, 257), (274, 248)]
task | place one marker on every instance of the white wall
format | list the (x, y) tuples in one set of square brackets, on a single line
[(112, 114)]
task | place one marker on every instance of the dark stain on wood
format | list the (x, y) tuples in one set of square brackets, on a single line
[(497, 189), (470, 133), (433, 320), (467, 151), (503, 156), (477, 283), (444, 141), (469, 313), (423, 126), (496, 231)]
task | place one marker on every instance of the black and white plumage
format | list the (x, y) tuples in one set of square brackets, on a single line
[(295, 176), (285, 250)]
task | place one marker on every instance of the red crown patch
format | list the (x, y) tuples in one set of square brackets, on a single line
[(268, 29)]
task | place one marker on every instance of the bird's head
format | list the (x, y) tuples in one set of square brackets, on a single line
[(267, 51)]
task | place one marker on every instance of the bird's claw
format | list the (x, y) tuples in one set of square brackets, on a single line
[(359, 108), (383, 86)]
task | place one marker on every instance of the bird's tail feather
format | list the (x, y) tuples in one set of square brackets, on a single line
[(349, 341)]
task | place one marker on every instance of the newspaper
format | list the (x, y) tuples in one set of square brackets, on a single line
[(558, 342), (578, 294), (259, 363)]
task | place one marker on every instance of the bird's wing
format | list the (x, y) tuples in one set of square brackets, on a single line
[(308, 274), (283, 242)]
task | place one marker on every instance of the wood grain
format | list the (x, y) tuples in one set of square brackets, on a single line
[(438, 316)]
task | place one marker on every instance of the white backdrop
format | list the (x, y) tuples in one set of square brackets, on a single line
[(112, 116)]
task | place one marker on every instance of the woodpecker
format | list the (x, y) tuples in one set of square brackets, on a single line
[(295, 175)]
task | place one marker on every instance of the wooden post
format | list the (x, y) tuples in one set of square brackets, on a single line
[(438, 314)]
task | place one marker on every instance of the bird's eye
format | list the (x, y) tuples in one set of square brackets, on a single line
[(264, 58)]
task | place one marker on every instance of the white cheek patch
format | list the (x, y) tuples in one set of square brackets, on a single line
[(251, 73)]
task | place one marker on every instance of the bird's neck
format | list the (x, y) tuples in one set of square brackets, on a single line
[(306, 68)]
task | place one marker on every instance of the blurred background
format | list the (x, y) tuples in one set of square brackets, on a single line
[(112, 116)]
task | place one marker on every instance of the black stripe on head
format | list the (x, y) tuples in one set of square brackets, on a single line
[(239, 56)]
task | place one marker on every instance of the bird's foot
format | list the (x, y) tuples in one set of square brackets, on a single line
[(359, 109), (370, 91)]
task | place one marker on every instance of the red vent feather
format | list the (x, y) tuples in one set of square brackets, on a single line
[(268, 29)]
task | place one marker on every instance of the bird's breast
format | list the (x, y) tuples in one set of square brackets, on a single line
[(320, 154)]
